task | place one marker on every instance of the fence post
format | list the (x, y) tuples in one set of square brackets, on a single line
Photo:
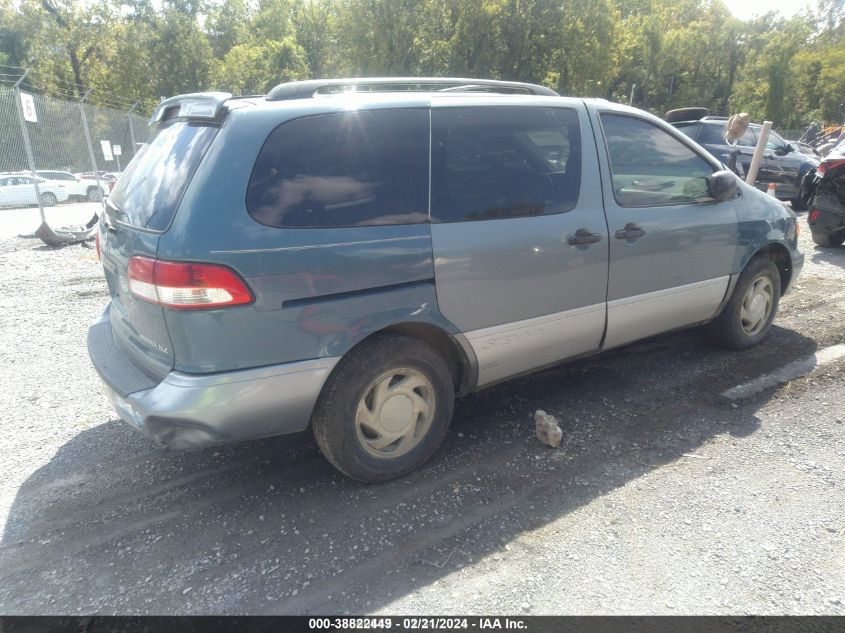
[(91, 146), (132, 129), (29, 157)]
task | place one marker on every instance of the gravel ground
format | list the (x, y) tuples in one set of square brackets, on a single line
[(663, 499)]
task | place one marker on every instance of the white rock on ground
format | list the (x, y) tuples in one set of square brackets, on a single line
[(547, 428)]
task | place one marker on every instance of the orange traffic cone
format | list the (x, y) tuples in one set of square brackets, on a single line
[(771, 189)]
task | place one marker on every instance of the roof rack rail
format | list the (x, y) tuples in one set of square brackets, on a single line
[(312, 87)]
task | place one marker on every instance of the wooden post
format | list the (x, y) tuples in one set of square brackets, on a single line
[(751, 177)]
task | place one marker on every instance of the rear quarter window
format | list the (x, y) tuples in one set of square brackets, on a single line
[(491, 163), (346, 169)]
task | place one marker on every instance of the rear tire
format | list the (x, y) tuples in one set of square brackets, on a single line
[(48, 199), (828, 239), (95, 194), (747, 318), (385, 409)]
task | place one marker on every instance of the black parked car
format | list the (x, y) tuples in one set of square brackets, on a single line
[(827, 218), (782, 164)]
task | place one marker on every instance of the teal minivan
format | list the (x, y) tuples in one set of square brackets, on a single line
[(351, 255)]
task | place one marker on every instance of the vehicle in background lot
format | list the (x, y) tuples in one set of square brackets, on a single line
[(827, 209), (823, 139), (352, 262), (789, 169), (106, 179), (78, 187), (804, 148), (18, 190)]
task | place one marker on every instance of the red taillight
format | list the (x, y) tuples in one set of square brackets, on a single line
[(827, 165), (97, 242), (186, 285), (814, 215)]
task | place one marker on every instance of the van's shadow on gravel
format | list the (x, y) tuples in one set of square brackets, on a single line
[(113, 524), (828, 255)]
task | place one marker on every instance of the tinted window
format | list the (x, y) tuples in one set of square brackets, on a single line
[(690, 128), (154, 181), (349, 169), (775, 142), (55, 175), (651, 167), (715, 135), (503, 162)]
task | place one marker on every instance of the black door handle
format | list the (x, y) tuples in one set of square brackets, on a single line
[(630, 232), (583, 236)]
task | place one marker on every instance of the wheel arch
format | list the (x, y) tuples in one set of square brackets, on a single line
[(780, 255), (452, 347)]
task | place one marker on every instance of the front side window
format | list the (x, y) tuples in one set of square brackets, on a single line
[(503, 162), (775, 142), (347, 169), (650, 167)]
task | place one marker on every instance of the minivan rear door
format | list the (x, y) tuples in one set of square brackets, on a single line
[(518, 230), (139, 209)]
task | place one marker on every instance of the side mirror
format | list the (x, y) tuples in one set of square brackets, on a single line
[(790, 148), (722, 186)]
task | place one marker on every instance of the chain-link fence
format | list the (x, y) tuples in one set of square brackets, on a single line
[(59, 151), (791, 135)]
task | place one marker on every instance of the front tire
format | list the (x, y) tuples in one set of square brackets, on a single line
[(385, 410), (747, 318), (48, 199), (95, 194)]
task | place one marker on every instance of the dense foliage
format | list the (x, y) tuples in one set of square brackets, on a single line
[(675, 52)]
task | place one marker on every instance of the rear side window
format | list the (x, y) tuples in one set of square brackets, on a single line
[(152, 185), (504, 162), (690, 128), (347, 169), (715, 135), (650, 167)]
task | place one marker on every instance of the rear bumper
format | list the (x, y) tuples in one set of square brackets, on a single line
[(193, 410), (827, 213)]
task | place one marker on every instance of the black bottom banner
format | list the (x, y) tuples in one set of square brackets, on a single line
[(527, 624)]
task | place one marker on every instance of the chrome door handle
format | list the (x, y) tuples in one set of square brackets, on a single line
[(630, 232), (583, 236)]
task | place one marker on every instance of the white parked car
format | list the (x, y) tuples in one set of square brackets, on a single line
[(18, 190), (78, 187)]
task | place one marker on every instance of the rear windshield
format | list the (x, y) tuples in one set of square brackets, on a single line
[(149, 190)]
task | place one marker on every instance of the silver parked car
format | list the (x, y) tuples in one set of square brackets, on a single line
[(78, 187), (18, 190), (350, 255)]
